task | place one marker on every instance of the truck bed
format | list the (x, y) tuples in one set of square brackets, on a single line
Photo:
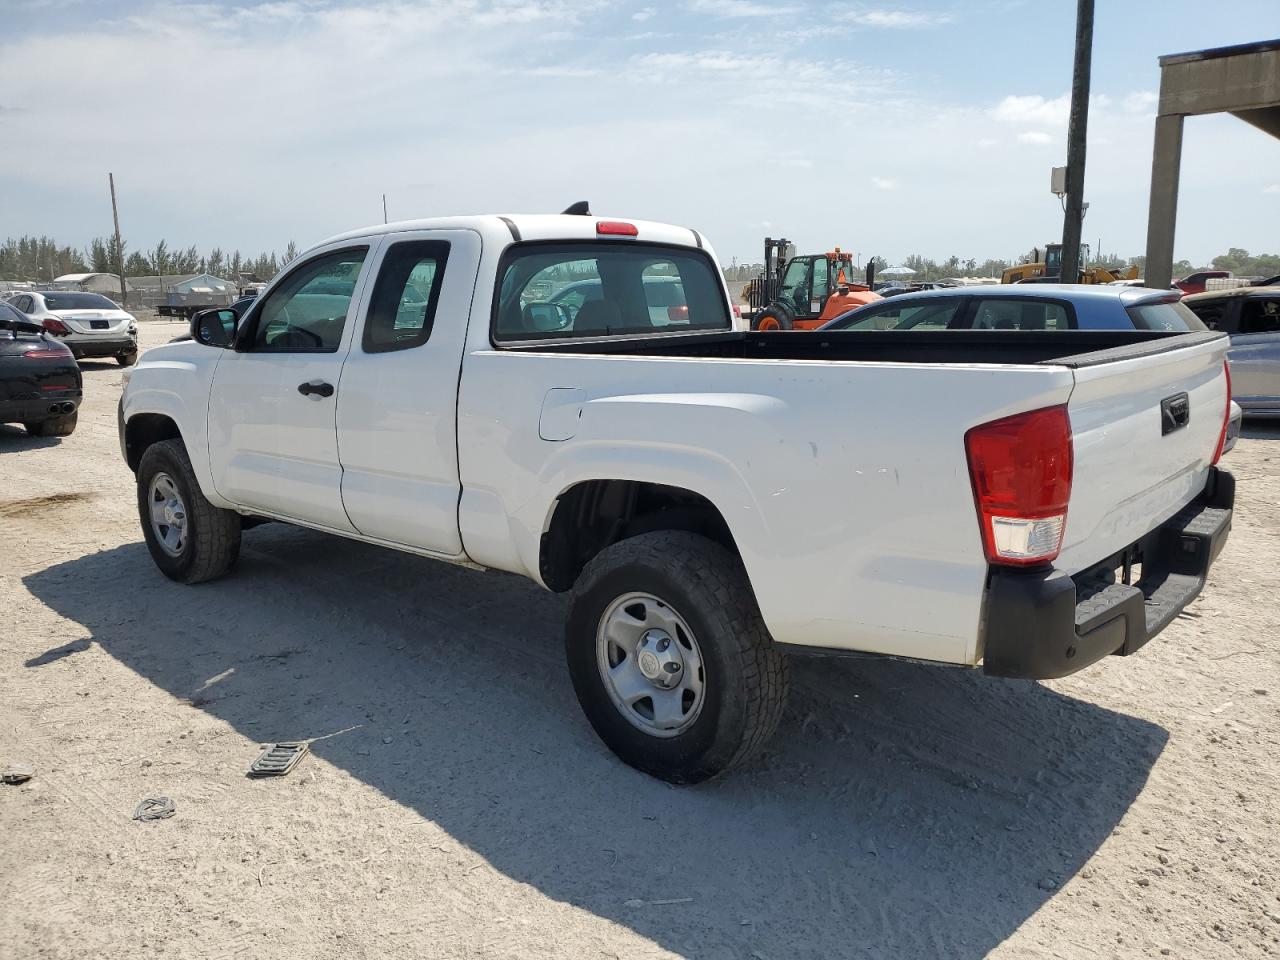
[(1069, 348)]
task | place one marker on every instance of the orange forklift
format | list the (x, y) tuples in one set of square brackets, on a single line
[(804, 292)]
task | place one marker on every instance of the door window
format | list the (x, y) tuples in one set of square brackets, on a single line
[(307, 312), (403, 306), (929, 314), (1005, 313), (795, 283), (1258, 315)]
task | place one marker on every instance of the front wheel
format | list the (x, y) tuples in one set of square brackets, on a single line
[(670, 658), (775, 318), (189, 538)]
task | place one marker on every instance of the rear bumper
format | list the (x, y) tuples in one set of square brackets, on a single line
[(33, 410), (1043, 625), (106, 347)]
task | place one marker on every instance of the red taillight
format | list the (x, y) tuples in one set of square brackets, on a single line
[(616, 228), (54, 325), (678, 314), (1020, 467), (1226, 416), (737, 311), (45, 355)]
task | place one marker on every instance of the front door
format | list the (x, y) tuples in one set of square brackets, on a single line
[(273, 442), (397, 412)]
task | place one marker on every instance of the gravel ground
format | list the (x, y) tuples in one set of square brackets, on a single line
[(456, 804)]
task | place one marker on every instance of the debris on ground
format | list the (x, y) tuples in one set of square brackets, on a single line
[(278, 759), (17, 773), (154, 808)]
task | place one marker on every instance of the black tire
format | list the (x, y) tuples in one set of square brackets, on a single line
[(745, 677), (774, 317), (212, 542), (128, 358), (62, 426)]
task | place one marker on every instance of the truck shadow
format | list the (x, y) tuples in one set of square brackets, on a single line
[(901, 811)]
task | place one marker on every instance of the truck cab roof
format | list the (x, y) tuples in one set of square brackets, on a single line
[(524, 226)]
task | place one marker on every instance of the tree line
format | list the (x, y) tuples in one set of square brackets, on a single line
[(41, 259)]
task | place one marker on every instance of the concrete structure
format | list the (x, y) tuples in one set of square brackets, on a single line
[(1243, 81)]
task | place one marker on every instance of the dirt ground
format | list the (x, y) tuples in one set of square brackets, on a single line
[(455, 804)]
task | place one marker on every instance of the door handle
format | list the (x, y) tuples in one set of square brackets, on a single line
[(317, 388)]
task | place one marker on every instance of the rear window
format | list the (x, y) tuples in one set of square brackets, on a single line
[(1176, 317), (553, 291), (77, 301)]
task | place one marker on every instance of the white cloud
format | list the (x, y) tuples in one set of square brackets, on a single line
[(1033, 109), (643, 14), (1034, 136), (884, 183), (900, 19), (1274, 188), (985, 142), (1141, 101), (742, 8)]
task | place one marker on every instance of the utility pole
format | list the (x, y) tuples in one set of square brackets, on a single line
[(115, 218), (1077, 130)]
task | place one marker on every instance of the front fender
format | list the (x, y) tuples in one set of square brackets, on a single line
[(173, 381)]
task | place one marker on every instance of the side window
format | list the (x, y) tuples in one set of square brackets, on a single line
[(1212, 313), (795, 282), (932, 314), (1004, 313), (402, 309), (307, 312), (1260, 316), (24, 304)]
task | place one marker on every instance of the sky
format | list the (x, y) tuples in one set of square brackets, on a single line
[(885, 128)]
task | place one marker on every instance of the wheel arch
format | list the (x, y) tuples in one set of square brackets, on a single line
[(590, 515), (142, 430)]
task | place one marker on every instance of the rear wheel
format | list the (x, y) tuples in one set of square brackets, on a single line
[(189, 538), (128, 358), (670, 658), (53, 427), (774, 318)]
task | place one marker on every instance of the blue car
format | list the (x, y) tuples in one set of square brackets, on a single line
[(1043, 306)]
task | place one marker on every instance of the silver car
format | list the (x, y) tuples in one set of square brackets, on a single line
[(88, 323), (1251, 316)]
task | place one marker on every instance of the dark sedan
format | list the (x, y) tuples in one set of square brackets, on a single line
[(40, 384)]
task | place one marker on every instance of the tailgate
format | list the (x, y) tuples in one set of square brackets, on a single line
[(1137, 459)]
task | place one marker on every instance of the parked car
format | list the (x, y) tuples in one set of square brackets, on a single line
[(88, 323), (40, 383), (710, 498), (1195, 282), (1251, 317), (1014, 307)]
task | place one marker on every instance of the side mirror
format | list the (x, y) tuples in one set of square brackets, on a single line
[(871, 273), (214, 328), (542, 316)]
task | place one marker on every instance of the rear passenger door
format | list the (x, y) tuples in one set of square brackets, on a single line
[(397, 404)]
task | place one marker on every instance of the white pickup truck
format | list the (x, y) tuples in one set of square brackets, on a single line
[(569, 398)]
